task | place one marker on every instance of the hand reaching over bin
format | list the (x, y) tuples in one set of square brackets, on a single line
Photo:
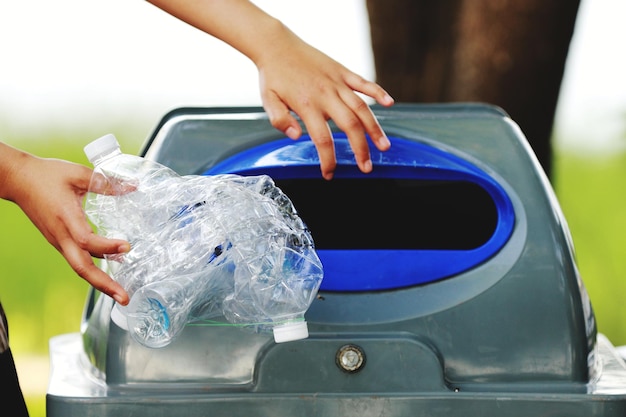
[(294, 76)]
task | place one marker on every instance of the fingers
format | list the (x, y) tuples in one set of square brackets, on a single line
[(107, 186), (323, 91), (280, 116), (361, 119), (98, 246), (337, 100), (322, 137), (349, 112), (354, 117), (348, 121), (282, 119), (81, 262), (363, 111), (77, 243), (369, 88)]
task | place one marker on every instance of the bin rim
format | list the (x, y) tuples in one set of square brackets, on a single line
[(344, 270)]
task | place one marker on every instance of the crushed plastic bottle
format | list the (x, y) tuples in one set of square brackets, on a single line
[(201, 247)]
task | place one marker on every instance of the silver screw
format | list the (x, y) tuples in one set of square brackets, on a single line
[(350, 358)]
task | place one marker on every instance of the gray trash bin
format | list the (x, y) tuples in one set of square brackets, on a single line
[(450, 286)]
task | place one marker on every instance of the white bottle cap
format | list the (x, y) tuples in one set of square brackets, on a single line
[(119, 318), (100, 147), (291, 331)]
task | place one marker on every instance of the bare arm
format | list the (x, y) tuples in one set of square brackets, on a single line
[(294, 76)]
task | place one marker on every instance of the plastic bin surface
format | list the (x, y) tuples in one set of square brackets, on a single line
[(450, 286)]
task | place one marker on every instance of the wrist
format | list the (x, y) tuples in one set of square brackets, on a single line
[(274, 42), (12, 163)]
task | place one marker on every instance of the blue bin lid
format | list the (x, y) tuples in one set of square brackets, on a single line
[(364, 269)]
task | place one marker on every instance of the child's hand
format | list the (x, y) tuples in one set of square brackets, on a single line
[(295, 76), (50, 192)]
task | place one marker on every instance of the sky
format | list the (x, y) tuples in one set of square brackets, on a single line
[(98, 63)]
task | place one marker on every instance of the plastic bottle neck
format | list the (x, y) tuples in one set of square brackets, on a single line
[(97, 160), (102, 149)]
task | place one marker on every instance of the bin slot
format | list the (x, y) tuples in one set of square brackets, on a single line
[(384, 213), (423, 214)]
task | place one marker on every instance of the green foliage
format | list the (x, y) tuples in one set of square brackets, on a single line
[(36, 405), (593, 198)]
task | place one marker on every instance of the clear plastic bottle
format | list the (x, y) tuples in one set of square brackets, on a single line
[(125, 183), (201, 247)]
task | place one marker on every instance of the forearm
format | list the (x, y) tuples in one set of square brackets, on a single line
[(239, 23), (11, 159)]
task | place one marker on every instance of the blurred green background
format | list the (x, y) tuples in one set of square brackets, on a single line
[(43, 297)]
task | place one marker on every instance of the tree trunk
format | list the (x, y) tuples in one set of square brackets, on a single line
[(510, 53)]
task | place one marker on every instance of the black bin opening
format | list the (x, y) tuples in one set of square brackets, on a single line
[(384, 213)]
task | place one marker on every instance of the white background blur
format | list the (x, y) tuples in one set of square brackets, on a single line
[(65, 64)]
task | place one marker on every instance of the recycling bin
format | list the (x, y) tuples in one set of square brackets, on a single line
[(450, 286)]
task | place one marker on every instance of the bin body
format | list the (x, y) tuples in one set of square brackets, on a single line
[(450, 286)]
